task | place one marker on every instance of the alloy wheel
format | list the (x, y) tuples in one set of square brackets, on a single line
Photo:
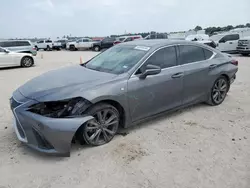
[(27, 62), (219, 90), (102, 128)]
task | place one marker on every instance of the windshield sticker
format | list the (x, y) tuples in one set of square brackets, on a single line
[(144, 48)]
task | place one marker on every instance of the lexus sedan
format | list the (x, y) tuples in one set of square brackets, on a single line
[(10, 59), (127, 83)]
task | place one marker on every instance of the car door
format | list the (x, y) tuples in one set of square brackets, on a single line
[(229, 43), (107, 43), (5, 59), (196, 64), (156, 93)]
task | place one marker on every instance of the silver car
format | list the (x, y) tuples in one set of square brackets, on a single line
[(125, 84), (20, 46)]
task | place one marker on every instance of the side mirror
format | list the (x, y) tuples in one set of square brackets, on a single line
[(6, 51), (150, 70)]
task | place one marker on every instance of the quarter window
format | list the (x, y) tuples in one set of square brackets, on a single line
[(208, 53), (163, 58), (190, 54)]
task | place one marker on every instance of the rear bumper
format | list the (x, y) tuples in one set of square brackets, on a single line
[(47, 135), (232, 79)]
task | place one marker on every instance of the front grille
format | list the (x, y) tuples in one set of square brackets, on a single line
[(14, 103), (41, 141)]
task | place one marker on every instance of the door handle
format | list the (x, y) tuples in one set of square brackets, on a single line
[(178, 75), (212, 66), (230, 43)]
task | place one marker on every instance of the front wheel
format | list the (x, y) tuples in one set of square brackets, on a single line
[(219, 91), (97, 48), (27, 61), (103, 127), (48, 48)]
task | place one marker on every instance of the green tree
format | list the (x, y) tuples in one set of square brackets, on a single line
[(198, 28)]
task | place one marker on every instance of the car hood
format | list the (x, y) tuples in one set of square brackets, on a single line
[(68, 78)]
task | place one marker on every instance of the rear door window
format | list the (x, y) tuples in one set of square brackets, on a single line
[(9, 44), (22, 43), (191, 54), (48, 41)]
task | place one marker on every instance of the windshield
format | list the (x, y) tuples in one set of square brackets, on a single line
[(116, 60), (216, 37), (121, 39)]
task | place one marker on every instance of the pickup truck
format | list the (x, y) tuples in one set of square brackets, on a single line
[(81, 44), (104, 44), (244, 46), (46, 45)]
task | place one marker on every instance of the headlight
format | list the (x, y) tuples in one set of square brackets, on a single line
[(61, 109)]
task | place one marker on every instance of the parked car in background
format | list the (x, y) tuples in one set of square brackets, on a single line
[(104, 44), (244, 46), (56, 45), (63, 43), (226, 42), (10, 58), (81, 44), (156, 36), (127, 38), (208, 42), (46, 45), (21, 46), (120, 87)]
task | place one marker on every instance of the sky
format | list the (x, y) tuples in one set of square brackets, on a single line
[(55, 18)]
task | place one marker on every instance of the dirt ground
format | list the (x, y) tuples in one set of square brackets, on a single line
[(197, 147)]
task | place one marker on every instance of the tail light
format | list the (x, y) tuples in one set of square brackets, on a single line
[(235, 62)]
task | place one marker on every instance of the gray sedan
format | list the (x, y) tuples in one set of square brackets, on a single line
[(125, 84)]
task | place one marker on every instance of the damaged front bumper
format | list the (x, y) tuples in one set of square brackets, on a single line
[(44, 134)]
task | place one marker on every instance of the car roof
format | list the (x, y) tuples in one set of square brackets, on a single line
[(156, 43)]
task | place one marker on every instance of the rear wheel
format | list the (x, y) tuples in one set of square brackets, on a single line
[(72, 48), (27, 61), (97, 48), (103, 127), (219, 91)]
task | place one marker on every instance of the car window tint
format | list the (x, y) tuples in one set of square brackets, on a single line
[(48, 41), (9, 44), (85, 40), (231, 37), (40, 41), (190, 54), (128, 39), (22, 43), (208, 53), (163, 58)]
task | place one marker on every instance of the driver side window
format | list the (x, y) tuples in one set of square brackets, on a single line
[(164, 58)]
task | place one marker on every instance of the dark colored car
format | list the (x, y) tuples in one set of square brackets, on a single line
[(127, 83), (63, 43), (104, 44)]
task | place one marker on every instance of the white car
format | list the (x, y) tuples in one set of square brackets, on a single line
[(11, 59), (81, 44), (46, 45), (226, 42)]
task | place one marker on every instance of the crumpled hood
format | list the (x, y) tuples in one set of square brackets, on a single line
[(68, 78)]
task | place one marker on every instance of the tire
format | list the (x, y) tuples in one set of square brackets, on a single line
[(103, 128), (27, 61), (96, 48), (72, 48), (219, 91), (48, 48), (37, 49)]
